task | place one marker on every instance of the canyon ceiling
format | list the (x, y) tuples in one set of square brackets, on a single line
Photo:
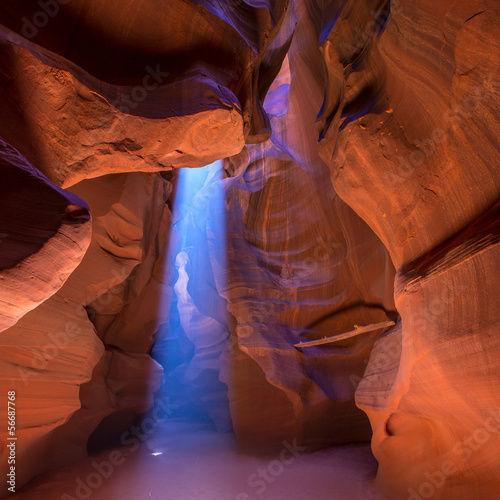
[(360, 148)]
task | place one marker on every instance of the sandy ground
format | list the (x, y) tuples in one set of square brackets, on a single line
[(182, 461)]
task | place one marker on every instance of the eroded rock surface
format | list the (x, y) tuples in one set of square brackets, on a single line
[(302, 265), (137, 87), (410, 130), (372, 193), (82, 357), (44, 233)]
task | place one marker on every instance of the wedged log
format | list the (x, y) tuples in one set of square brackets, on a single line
[(386, 211), (289, 282), (44, 233), (410, 129), (302, 265), (358, 330)]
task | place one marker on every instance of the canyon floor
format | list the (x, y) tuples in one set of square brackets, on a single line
[(187, 461)]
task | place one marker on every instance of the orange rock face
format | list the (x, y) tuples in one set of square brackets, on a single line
[(45, 232), (64, 359), (361, 148), (410, 130)]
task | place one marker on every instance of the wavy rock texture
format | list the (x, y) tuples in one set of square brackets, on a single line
[(81, 357), (44, 233), (302, 265), (368, 189), (121, 281), (81, 134), (45, 358), (288, 257), (180, 85), (410, 130)]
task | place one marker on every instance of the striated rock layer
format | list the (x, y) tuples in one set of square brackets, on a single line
[(293, 245), (44, 233), (301, 265), (128, 86), (83, 355), (368, 190), (411, 133), (84, 129)]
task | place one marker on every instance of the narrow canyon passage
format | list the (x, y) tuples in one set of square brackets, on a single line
[(184, 447), (249, 249)]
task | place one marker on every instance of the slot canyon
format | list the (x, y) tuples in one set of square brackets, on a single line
[(248, 249)]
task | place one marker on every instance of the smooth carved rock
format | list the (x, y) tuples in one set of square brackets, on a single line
[(298, 272), (302, 265), (123, 299), (44, 233), (141, 88), (410, 130), (72, 372), (81, 134), (419, 116), (405, 99), (45, 358)]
